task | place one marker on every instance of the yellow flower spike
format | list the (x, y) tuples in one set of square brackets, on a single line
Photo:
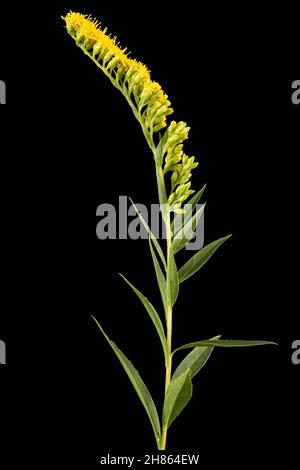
[(146, 97), (129, 75)]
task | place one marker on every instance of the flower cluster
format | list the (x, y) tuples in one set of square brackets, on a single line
[(132, 77), (176, 161), (149, 102)]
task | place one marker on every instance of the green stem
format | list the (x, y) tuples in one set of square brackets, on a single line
[(166, 217), (169, 332)]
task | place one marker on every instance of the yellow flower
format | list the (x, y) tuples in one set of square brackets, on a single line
[(129, 75), (147, 99)]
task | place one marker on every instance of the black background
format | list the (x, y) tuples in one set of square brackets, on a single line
[(70, 143)]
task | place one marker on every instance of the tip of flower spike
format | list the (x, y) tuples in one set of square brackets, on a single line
[(79, 25), (107, 51), (85, 26)]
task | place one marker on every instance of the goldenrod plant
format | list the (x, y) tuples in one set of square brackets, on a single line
[(173, 168)]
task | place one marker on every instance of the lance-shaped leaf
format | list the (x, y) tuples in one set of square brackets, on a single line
[(178, 395), (224, 343), (138, 385), (153, 315), (161, 280), (195, 360), (182, 219), (163, 199), (199, 259), (151, 234), (172, 280), (187, 231)]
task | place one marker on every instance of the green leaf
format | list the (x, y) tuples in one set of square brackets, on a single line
[(153, 238), (199, 259), (179, 220), (138, 385), (187, 231), (158, 155), (226, 343), (172, 280), (195, 360), (178, 395), (161, 280), (163, 199), (154, 317)]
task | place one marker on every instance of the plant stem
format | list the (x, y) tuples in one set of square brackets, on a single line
[(169, 333), (167, 220)]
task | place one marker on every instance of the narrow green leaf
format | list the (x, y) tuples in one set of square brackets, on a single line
[(225, 343), (158, 156), (178, 395), (138, 385), (195, 360), (199, 259), (187, 231), (162, 194), (161, 280), (153, 238), (153, 315), (172, 280), (180, 220)]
